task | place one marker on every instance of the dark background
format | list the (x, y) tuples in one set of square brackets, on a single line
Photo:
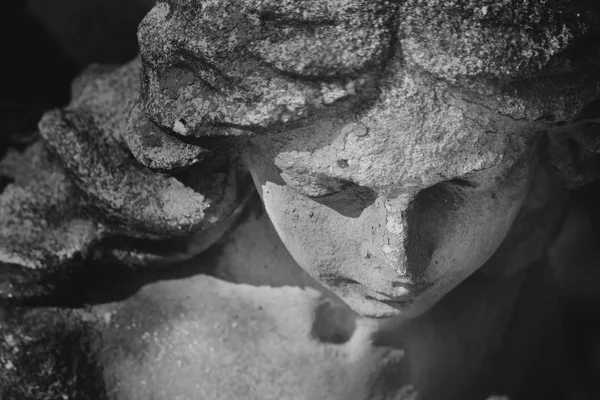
[(46, 43)]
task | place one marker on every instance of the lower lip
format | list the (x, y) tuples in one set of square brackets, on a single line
[(405, 295), (387, 308), (375, 305), (410, 294), (402, 294)]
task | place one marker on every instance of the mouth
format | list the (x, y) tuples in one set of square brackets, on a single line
[(407, 290), (404, 292), (408, 295), (373, 304)]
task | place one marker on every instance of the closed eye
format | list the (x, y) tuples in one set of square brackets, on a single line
[(349, 200), (325, 191), (462, 183)]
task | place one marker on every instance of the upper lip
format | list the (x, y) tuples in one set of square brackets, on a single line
[(413, 290)]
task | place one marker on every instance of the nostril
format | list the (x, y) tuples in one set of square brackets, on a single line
[(333, 324)]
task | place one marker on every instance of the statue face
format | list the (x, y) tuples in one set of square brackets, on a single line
[(394, 209), (392, 139)]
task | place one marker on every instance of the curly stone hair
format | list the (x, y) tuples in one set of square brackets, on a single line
[(109, 166)]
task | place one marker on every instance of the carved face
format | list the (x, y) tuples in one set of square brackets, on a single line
[(394, 210), (393, 146)]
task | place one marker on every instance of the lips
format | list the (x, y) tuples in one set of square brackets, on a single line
[(373, 304), (399, 292), (409, 292)]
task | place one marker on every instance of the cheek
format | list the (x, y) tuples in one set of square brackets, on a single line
[(352, 253), (468, 237), (328, 242), (316, 236)]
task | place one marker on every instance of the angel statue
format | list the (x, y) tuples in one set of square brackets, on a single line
[(341, 199)]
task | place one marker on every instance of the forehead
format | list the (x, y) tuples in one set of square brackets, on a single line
[(410, 137)]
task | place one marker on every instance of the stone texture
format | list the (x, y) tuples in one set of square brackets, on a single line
[(490, 39), (451, 101), (80, 187), (246, 342), (156, 149), (151, 204), (394, 146), (42, 229), (524, 59), (45, 354), (256, 64)]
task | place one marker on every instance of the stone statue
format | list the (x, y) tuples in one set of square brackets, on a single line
[(413, 160)]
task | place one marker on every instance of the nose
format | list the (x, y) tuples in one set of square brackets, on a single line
[(405, 233), (394, 232), (398, 235)]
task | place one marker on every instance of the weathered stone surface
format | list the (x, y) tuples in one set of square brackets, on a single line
[(154, 148), (451, 100), (46, 354), (524, 59), (128, 195), (398, 148), (238, 63), (80, 187), (491, 39), (258, 64), (42, 227)]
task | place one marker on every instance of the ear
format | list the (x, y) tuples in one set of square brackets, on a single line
[(535, 228), (572, 151)]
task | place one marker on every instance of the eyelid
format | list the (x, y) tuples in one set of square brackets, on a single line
[(329, 187), (463, 183), (323, 196), (348, 185)]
